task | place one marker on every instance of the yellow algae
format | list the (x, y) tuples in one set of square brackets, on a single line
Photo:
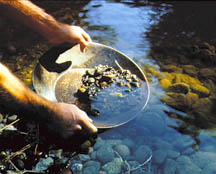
[(188, 79), (190, 69), (169, 76), (200, 90), (118, 94), (155, 73), (165, 83)]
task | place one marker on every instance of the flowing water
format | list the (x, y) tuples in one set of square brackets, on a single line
[(174, 44)]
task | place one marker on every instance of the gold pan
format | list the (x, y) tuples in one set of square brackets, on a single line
[(58, 75)]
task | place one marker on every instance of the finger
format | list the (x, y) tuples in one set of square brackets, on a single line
[(83, 44), (78, 127), (85, 116), (89, 126), (86, 36)]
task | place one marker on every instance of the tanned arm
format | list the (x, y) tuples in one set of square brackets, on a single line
[(61, 118), (37, 19)]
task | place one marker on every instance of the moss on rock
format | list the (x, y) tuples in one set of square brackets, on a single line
[(179, 88), (171, 68), (200, 90), (165, 83), (176, 100)]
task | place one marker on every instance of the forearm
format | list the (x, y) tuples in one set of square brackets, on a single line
[(19, 99), (32, 16)]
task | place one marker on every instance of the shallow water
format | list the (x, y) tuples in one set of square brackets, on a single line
[(154, 35)]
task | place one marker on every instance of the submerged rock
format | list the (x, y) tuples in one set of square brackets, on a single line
[(142, 153), (171, 68), (170, 166), (122, 150), (113, 167), (44, 164), (185, 165), (179, 88), (159, 156), (200, 90), (190, 70), (165, 83), (105, 154), (176, 100), (202, 159)]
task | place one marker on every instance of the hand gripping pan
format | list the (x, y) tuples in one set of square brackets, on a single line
[(58, 75)]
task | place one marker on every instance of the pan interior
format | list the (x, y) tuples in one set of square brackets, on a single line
[(114, 105)]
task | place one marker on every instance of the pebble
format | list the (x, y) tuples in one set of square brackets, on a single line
[(142, 153), (12, 118), (113, 167), (202, 159), (99, 143), (159, 156), (44, 164), (185, 165), (84, 158), (105, 154), (90, 170), (170, 166), (122, 150), (95, 164), (172, 154), (128, 142)]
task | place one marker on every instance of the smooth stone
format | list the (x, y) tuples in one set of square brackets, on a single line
[(84, 158), (188, 151), (172, 154), (202, 159), (142, 154), (159, 156), (44, 164), (210, 168), (153, 122), (12, 118), (185, 165), (113, 142), (133, 164), (99, 143), (128, 142), (105, 154), (170, 166), (113, 167), (122, 150), (90, 170), (93, 155), (92, 163), (77, 168), (184, 142), (163, 145)]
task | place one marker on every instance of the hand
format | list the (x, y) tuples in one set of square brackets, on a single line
[(68, 119), (70, 34)]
